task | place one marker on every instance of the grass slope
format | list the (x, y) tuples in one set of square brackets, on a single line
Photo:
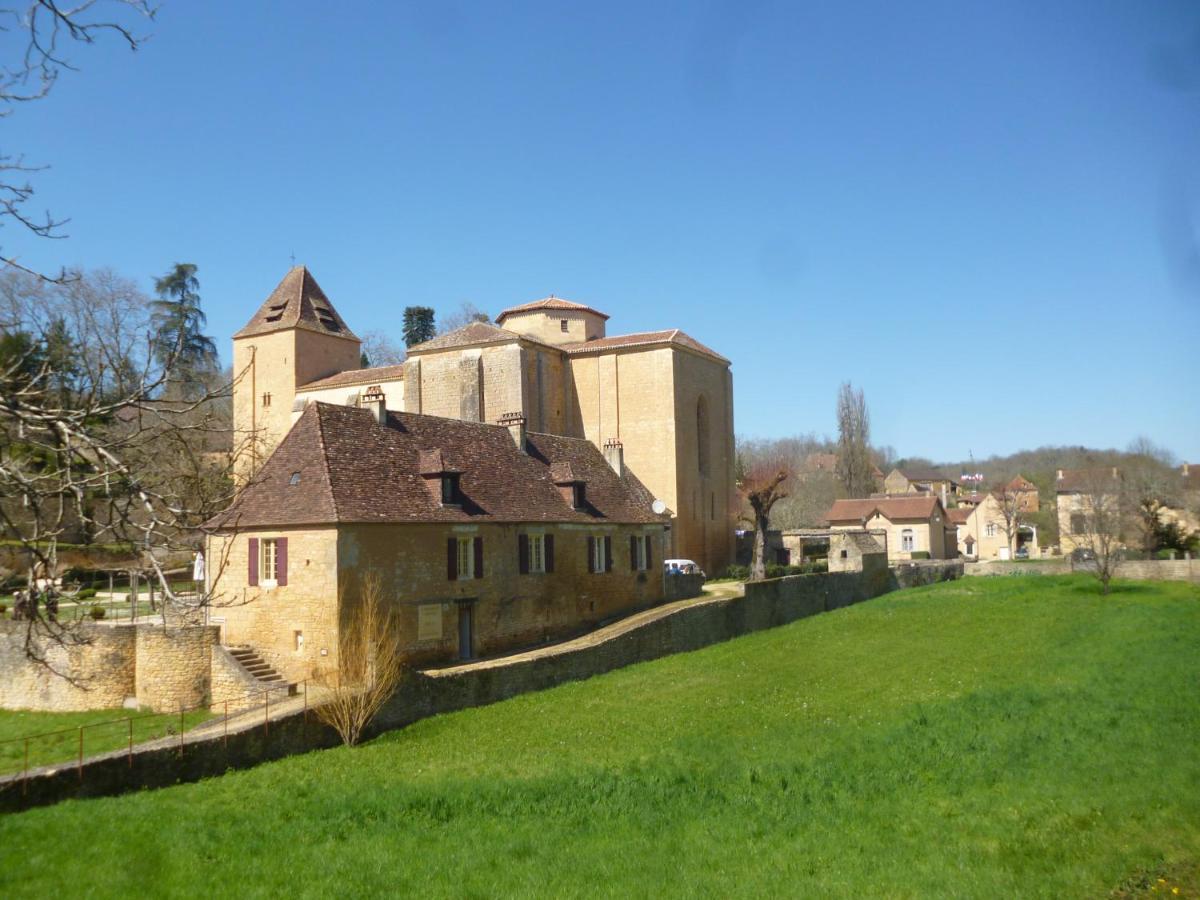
[(54, 737), (989, 737)]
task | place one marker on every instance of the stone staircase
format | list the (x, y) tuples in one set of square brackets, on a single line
[(262, 671)]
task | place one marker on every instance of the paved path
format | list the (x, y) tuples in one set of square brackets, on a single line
[(712, 594)]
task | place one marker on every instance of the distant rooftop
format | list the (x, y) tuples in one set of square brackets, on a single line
[(297, 302), (550, 303)]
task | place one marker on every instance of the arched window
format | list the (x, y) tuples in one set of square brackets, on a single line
[(702, 436), (906, 540)]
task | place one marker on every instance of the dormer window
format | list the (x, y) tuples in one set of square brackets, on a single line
[(450, 494), (578, 495), (295, 479)]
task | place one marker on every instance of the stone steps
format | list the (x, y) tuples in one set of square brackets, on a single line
[(261, 671)]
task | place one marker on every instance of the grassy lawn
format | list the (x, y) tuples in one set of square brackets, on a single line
[(1014, 737), (107, 730)]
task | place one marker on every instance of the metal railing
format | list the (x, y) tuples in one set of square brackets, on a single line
[(79, 756)]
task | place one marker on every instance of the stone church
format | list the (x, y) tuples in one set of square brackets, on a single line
[(661, 399)]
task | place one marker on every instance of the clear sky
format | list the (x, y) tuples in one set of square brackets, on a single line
[(984, 214)]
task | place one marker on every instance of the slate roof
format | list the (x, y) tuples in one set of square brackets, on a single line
[(550, 302), (297, 302), (641, 339), (915, 506), (374, 375), (352, 469)]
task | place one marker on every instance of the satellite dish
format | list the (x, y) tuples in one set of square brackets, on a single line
[(659, 507)]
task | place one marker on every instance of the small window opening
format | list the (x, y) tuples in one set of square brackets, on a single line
[(562, 324), (266, 399), (295, 479), (299, 640), (844, 554), (578, 495), (450, 495)]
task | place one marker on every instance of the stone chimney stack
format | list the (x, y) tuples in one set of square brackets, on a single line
[(373, 400), (515, 423), (1058, 474), (614, 455), (1185, 470)]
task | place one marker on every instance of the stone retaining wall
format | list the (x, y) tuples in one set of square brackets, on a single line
[(682, 587)]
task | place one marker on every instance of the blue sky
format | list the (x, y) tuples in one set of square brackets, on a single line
[(980, 213)]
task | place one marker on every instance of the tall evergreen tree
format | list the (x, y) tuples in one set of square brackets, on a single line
[(178, 321), (418, 325)]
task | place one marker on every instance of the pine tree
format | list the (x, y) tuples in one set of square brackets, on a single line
[(418, 325)]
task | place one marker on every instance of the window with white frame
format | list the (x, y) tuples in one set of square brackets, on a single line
[(466, 558), (598, 558), (907, 540), (990, 529), (537, 553), (269, 559), (639, 545)]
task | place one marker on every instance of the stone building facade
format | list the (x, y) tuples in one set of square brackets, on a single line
[(914, 527), (665, 397), (486, 538)]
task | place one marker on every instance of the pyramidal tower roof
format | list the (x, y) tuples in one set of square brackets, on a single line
[(297, 302)]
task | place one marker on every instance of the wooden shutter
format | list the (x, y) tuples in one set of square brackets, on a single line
[(608, 560), (548, 553), (252, 559), (523, 554), (649, 544), (478, 557), (452, 558), (633, 553), (591, 550), (281, 562)]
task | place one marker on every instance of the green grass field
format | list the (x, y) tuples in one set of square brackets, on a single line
[(993, 737), (104, 730)]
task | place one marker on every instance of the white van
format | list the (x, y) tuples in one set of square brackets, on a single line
[(682, 567)]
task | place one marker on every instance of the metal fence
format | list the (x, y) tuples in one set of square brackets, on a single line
[(75, 737)]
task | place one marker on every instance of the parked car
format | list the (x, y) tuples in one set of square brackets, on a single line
[(1083, 554), (682, 567), (1022, 553)]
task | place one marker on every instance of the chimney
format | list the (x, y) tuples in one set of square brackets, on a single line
[(515, 423), (1058, 474), (1115, 473), (373, 400), (1185, 470), (614, 455)]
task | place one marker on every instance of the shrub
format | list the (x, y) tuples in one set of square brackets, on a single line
[(3, 609), (920, 554), (738, 573), (86, 594), (97, 612)]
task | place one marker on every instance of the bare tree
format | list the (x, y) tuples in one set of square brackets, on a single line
[(1097, 520), (370, 666), (466, 313), (855, 466), (1010, 504), (762, 487), (380, 350), (47, 30)]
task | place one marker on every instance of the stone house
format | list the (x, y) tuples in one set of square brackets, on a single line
[(667, 398), (1076, 490), (486, 537), (856, 551), (922, 481), (980, 531), (910, 527), (1025, 492)]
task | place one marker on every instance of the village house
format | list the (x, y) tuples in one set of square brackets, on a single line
[(921, 481), (487, 537), (1076, 493), (912, 527), (667, 398), (1025, 493), (981, 531)]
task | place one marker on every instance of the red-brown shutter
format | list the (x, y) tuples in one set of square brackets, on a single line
[(452, 558), (281, 562), (523, 554), (608, 560), (591, 550), (478, 557), (252, 559), (548, 553)]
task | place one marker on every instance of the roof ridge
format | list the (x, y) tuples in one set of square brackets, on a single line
[(337, 513)]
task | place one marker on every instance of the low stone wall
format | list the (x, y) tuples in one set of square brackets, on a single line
[(102, 666), (232, 684), (1050, 567), (1158, 570), (689, 626), (682, 587)]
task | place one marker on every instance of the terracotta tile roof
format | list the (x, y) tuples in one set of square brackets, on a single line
[(959, 515), (916, 506), (925, 475), (375, 375), (297, 302), (1020, 483), (469, 334), (351, 469), (645, 338), (550, 302), (1080, 480)]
